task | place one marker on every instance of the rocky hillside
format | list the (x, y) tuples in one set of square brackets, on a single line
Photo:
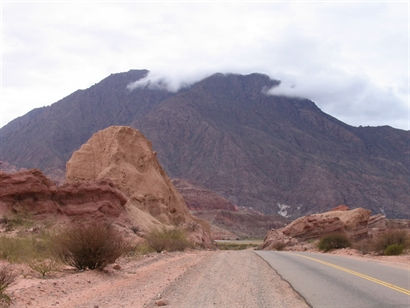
[(271, 153), (227, 221)]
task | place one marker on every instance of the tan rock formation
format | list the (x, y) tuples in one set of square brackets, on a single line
[(125, 157), (29, 192), (353, 223)]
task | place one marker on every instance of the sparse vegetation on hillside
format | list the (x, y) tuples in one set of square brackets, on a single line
[(7, 277), (17, 220), (169, 240), (333, 241), (91, 246), (24, 249)]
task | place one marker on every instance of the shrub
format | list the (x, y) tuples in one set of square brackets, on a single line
[(7, 277), (169, 240), (91, 246), (393, 250), (333, 241), (44, 267), (389, 238)]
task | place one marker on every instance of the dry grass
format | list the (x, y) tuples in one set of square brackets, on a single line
[(169, 240), (7, 277), (44, 267), (24, 249)]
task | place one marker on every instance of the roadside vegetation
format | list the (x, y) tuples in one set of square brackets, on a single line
[(238, 244), (92, 246), (168, 240), (7, 277), (392, 243), (333, 241)]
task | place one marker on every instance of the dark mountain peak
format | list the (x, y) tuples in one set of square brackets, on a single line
[(122, 79), (251, 83)]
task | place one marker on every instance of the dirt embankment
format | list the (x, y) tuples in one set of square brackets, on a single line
[(191, 279)]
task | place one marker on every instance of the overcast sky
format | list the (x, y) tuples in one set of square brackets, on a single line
[(351, 58)]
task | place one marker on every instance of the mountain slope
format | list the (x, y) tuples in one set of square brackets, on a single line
[(272, 153)]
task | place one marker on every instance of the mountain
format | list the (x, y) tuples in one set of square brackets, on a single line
[(275, 154)]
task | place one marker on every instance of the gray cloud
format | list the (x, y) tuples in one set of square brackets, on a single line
[(351, 59)]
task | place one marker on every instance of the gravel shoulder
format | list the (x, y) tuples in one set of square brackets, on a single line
[(231, 279), (136, 283), (189, 279)]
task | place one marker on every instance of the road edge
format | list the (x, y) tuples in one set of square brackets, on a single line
[(283, 279)]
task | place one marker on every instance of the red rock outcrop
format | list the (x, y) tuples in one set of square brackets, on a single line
[(124, 156), (353, 223), (30, 192)]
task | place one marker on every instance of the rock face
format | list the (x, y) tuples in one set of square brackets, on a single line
[(225, 134), (228, 221), (201, 199), (353, 223), (124, 156), (30, 192)]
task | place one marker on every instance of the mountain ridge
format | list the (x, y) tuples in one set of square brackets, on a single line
[(226, 134)]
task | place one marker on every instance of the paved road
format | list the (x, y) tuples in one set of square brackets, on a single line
[(335, 281)]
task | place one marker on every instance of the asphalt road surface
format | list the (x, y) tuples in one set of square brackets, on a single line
[(335, 281)]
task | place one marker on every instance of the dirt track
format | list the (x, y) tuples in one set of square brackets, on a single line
[(191, 279)]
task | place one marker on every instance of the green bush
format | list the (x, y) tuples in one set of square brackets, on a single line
[(389, 238), (333, 241), (7, 277), (169, 240), (393, 250), (91, 246)]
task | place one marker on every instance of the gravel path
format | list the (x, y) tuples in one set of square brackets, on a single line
[(231, 279)]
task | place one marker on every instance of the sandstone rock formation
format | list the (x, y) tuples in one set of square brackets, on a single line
[(29, 192), (124, 156), (353, 223)]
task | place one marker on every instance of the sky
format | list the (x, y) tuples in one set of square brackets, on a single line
[(350, 57)]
